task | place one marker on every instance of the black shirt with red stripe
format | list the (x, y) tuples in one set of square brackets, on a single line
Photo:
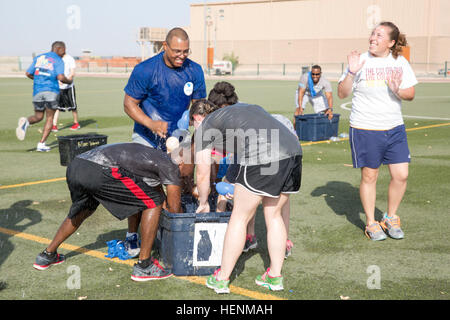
[(154, 166)]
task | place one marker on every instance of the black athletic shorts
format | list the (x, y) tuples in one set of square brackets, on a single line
[(122, 193), (67, 99), (270, 180), (232, 172)]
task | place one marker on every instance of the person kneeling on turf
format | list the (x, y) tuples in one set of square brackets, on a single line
[(126, 178)]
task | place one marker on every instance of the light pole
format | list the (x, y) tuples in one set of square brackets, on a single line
[(205, 50), (221, 17), (208, 24), (209, 21)]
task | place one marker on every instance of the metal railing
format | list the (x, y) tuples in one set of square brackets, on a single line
[(331, 70)]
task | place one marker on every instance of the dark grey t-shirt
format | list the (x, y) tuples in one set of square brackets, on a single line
[(154, 166), (250, 132)]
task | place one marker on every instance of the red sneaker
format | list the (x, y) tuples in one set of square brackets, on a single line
[(54, 129), (75, 126)]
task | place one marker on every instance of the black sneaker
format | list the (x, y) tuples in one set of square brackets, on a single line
[(44, 260), (250, 243), (154, 271)]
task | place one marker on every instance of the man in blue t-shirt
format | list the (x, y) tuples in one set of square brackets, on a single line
[(45, 71), (159, 91), (161, 88)]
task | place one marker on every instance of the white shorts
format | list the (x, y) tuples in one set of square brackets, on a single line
[(319, 103)]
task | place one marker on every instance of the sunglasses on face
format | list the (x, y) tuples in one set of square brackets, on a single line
[(316, 74), (180, 52)]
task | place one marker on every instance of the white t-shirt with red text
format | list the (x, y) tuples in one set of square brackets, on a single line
[(374, 105)]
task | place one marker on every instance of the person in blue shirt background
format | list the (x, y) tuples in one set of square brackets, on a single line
[(158, 92), (45, 71)]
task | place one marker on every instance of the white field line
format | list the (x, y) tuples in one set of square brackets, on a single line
[(345, 107)]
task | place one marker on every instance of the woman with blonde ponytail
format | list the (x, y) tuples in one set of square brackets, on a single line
[(379, 79)]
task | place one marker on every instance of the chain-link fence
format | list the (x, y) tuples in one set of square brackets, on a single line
[(330, 70)]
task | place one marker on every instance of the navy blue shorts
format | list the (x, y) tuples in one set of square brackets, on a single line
[(371, 148)]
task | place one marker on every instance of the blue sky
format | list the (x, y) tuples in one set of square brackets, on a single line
[(107, 27)]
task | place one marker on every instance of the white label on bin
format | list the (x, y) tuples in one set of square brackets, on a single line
[(208, 244)]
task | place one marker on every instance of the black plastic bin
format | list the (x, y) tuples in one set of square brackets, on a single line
[(71, 146)]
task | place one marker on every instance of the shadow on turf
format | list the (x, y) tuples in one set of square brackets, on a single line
[(344, 199), (18, 218), (54, 144), (83, 124)]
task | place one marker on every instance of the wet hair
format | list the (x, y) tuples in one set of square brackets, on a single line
[(316, 66), (223, 94), (399, 38), (202, 107), (58, 44), (177, 32)]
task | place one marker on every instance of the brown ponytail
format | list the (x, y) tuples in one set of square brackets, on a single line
[(399, 38)]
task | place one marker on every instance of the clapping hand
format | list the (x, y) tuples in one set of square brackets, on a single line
[(354, 65), (394, 82)]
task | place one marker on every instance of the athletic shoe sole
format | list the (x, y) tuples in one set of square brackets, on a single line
[(45, 267), (269, 286), (251, 247), (143, 278), (20, 132), (386, 230), (379, 235), (288, 254), (217, 290)]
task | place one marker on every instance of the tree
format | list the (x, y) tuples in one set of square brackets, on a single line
[(232, 58)]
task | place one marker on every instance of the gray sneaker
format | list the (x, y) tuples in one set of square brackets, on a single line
[(374, 232), (153, 272), (250, 243), (44, 260), (391, 225)]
